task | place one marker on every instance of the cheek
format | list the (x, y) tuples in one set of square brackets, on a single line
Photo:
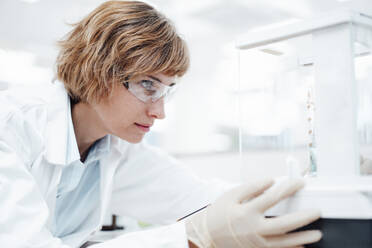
[(117, 120), (124, 127), (119, 115)]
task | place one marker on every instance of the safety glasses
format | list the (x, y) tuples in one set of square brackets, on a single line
[(149, 89)]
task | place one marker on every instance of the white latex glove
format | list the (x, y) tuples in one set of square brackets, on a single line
[(365, 166), (237, 220)]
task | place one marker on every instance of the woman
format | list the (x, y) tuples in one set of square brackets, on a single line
[(69, 150)]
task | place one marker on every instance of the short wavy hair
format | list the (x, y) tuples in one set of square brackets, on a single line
[(117, 40)]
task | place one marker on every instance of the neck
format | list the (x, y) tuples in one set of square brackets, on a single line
[(86, 126)]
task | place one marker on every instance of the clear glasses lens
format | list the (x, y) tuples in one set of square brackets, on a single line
[(146, 90)]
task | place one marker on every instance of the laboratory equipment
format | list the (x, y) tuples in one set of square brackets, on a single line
[(306, 101)]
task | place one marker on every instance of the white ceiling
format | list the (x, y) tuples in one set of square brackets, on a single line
[(35, 26)]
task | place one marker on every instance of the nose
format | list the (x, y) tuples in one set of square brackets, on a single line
[(156, 109)]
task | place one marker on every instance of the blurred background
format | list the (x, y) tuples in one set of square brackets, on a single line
[(202, 121)]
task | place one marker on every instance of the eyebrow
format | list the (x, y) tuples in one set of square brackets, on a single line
[(157, 79)]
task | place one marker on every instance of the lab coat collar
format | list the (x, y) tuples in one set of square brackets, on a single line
[(72, 153), (57, 125), (99, 149)]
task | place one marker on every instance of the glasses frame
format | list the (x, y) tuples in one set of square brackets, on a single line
[(166, 90)]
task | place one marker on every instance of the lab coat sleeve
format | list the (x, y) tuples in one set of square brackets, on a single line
[(153, 187), (24, 212), (172, 236)]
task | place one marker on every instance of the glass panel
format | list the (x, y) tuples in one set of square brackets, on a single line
[(277, 105), (363, 76)]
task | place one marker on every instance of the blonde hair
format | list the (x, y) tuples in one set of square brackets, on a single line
[(119, 39)]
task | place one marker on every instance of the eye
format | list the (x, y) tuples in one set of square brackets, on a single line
[(148, 86)]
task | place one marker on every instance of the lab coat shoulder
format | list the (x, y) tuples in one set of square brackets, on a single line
[(23, 119)]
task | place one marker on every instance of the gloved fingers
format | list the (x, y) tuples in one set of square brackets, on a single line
[(248, 191), (305, 170), (289, 222), (294, 239), (276, 194)]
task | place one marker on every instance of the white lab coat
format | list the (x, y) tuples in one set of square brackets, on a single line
[(136, 180)]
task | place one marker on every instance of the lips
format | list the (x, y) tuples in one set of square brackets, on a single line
[(143, 127)]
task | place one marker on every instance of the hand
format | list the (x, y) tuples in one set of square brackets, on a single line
[(365, 166), (237, 220)]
